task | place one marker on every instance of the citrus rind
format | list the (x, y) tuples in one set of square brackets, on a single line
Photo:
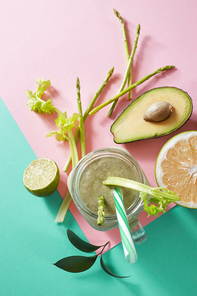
[(41, 177), (162, 155)]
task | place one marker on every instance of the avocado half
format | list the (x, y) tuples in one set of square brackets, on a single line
[(130, 125)]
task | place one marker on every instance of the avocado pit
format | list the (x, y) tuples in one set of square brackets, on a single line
[(158, 111)]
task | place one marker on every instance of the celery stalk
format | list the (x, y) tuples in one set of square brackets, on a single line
[(159, 196)]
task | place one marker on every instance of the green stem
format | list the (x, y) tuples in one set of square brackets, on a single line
[(72, 143), (66, 167), (127, 70), (58, 111), (104, 246), (67, 199), (81, 123), (129, 88), (73, 149), (157, 193), (98, 93), (129, 79), (117, 181), (63, 208)]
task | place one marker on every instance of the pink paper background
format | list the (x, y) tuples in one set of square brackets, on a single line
[(63, 40)]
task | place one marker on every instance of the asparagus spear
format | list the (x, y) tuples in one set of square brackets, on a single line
[(127, 70), (129, 79), (129, 88), (81, 123), (87, 112)]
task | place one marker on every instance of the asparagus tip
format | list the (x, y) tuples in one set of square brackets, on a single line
[(168, 67), (138, 29), (78, 83), (111, 72), (118, 15)]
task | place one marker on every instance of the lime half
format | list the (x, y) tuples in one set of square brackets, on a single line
[(41, 177)]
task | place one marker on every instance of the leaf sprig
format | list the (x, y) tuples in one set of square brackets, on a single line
[(34, 99), (64, 123), (76, 264)]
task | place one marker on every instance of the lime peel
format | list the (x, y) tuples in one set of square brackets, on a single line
[(41, 177)]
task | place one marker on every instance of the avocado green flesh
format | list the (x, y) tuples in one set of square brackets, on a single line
[(130, 125)]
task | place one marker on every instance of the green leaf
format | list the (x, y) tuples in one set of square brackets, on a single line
[(58, 135), (104, 267), (39, 105), (71, 121), (34, 100), (61, 120), (76, 263), (81, 244), (42, 86), (154, 200), (65, 127)]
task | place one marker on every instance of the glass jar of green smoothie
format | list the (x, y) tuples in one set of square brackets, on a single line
[(85, 184)]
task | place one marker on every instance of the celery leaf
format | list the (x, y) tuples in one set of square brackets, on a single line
[(65, 127), (42, 86), (34, 99)]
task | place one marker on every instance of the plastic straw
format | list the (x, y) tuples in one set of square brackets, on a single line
[(125, 232)]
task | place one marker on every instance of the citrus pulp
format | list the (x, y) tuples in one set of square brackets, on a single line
[(176, 167), (41, 177)]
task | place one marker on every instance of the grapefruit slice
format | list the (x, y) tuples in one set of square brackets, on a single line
[(176, 167)]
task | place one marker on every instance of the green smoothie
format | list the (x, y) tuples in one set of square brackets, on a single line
[(91, 183)]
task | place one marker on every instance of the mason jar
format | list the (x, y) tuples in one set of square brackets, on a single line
[(85, 181)]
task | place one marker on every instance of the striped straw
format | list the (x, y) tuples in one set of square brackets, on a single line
[(125, 232)]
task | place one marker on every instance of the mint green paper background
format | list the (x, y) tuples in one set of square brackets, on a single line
[(30, 241)]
